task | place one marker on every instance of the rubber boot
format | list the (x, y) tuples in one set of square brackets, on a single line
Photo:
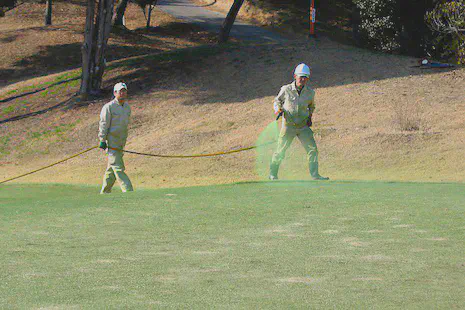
[(274, 168), (313, 167)]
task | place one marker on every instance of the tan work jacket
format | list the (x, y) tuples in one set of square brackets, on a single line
[(113, 125), (297, 108)]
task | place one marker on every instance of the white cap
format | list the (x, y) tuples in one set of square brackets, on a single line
[(302, 70), (119, 86)]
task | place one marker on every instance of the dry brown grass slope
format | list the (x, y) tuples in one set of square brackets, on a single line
[(224, 101)]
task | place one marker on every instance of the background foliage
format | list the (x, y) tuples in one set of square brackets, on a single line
[(447, 21)]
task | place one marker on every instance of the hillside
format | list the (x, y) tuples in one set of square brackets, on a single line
[(208, 99)]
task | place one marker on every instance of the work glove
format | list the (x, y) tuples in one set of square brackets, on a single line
[(103, 145), (309, 122)]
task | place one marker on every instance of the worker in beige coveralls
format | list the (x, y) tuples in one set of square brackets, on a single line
[(113, 132), (296, 102)]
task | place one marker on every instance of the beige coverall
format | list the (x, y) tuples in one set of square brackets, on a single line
[(113, 129), (298, 108)]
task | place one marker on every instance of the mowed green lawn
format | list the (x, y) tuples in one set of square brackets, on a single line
[(284, 245)]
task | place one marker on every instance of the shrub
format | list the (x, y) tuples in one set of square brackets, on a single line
[(447, 20), (408, 116), (395, 25), (379, 26), (7, 3)]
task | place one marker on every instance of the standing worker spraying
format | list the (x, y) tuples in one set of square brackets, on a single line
[(113, 132), (296, 102)]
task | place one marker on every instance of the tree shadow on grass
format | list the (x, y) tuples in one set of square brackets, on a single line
[(241, 73), (58, 58), (75, 2), (48, 109), (123, 44), (10, 38), (35, 91), (226, 70), (179, 30), (213, 74), (41, 29), (208, 4)]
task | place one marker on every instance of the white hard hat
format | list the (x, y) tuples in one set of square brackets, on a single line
[(119, 86), (302, 70)]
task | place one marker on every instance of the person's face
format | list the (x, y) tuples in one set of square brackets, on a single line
[(121, 94), (300, 81)]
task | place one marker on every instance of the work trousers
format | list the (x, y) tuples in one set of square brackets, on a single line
[(286, 136), (115, 170)]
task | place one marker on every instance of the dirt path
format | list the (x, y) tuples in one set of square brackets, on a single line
[(192, 13)]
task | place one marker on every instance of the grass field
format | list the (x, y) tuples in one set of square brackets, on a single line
[(284, 245)]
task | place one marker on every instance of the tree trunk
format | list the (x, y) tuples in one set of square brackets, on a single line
[(120, 10), (86, 50), (104, 28), (48, 13), (229, 21), (355, 21), (149, 14)]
